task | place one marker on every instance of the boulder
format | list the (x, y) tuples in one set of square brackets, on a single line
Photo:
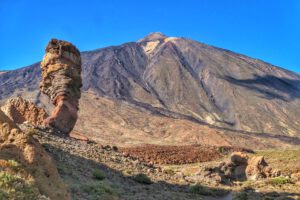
[(61, 82), (258, 168), (239, 158), (240, 167)]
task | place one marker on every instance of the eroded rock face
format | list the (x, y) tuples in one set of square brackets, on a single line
[(61, 81), (37, 166), (241, 167), (258, 168), (20, 110)]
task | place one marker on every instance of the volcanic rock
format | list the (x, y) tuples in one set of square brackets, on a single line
[(20, 110), (61, 81), (36, 164), (241, 167), (258, 168), (226, 96)]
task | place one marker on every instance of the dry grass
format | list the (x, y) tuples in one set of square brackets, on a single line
[(288, 161)]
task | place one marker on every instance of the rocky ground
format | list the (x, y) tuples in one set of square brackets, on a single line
[(95, 171), (160, 154)]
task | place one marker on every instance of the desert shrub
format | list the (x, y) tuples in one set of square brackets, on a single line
[(64, 169), (204, 190), (127, 171), (14, 165), (15, 187), (246, 194), (169, 171), (241, 196), (199, 189), (221, 149), (98, 174), (279, 181), (32, 132), (99, 191), (142, 178)]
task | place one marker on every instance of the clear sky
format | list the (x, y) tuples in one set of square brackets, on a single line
[(264, 29)]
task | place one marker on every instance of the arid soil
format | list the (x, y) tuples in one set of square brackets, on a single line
[(178, 154), (79, 161)]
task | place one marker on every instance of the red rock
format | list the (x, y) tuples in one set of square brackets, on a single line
[(61, 81), (78, 136)]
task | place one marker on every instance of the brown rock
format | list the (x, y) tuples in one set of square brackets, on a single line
[(295, 176), (239, 158), (257, 168), (61, 81), (20, 110), (36, 164), (78, 136)]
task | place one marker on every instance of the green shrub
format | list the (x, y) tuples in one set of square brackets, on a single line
[(221, 149), (279, 181), (142, 178), (204, 190), (98, 174), (32, 132), (199, 189), (99, 191), (14, 165), (169, 171), (15, 187)]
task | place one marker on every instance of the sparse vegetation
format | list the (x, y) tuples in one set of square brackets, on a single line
[(169, 171), (98, 174), (100, 190), (204, 190), (127, 172), (32, 132), (199, 189), (288, 161), (14, 165), (142, 178), (221, 149), (14, 187), (278, 181), (64, 169)]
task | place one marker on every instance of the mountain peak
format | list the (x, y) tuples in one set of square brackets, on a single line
[(153, 36)]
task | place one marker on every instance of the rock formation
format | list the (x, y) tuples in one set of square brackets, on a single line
[(35, 164), (61, 81), (241, 167), (258, 168), (20, 110)]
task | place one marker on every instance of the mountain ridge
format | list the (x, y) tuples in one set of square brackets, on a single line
[(182, 79)]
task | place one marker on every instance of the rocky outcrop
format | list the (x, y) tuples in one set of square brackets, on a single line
[(20, 110), (241, 167), (258, 168), (35, 165), (61, 81)]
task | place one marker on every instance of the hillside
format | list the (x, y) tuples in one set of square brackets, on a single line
[(162, 90)]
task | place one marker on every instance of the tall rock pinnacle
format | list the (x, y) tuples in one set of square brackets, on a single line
[(61, 82)]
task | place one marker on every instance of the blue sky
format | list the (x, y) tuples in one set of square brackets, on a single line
[(264, 29)]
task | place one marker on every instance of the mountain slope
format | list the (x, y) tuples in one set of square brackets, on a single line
[(178, 78)]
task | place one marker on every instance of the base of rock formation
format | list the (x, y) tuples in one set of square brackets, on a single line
[(34, 164), (64, 115)]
